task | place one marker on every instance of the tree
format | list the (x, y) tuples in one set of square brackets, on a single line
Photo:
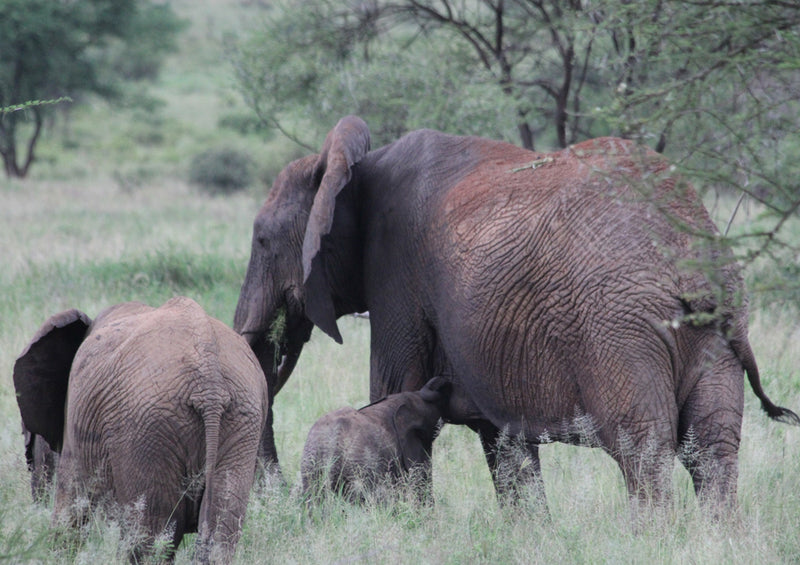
[(306, 67), (530, 58), (715, 84), (548, 59), (50, 50)]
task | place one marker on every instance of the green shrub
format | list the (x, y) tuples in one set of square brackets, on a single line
[(221, 171), (245, 123)]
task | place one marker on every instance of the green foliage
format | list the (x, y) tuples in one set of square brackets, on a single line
[(52, 50), (309, 63), (150, 33), (33, 103), (245, 123), (562, 72), (221, 171), (713, 85)]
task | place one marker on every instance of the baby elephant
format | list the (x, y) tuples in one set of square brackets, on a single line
[(365, 454), (159, 411)]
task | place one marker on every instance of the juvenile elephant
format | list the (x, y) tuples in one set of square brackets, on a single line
[(585, 288), (369, 452), (165, 406)]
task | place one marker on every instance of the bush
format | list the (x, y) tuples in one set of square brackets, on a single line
[(245, 123), (221, 171)]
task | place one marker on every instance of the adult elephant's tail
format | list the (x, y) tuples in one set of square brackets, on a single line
[(741, 346)]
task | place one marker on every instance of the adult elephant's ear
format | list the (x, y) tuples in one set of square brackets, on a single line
[(345, 145), (41, 374)]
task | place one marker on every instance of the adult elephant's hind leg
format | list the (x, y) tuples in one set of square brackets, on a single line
[(515, 467), (645, 454), (710, 431)]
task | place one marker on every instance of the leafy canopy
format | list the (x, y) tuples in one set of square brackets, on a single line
[(53, 49), (715, 84)]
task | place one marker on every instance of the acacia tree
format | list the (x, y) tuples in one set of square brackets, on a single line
[(51, 50), (715, 84), (310, 62), (500, 52), (566, 67)]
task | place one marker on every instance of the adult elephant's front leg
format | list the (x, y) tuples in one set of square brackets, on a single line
[(515, 467), (268, 466)]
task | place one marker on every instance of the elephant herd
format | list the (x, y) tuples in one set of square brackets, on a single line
[(521, 294)]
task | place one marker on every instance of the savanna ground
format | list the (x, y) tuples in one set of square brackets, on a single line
[(110, 221)]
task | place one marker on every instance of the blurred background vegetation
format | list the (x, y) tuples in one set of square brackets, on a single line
[(224, 93)]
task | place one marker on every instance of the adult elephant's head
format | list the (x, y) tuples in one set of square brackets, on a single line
[(289, 283)]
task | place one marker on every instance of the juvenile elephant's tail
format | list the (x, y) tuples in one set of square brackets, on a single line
[(745, 354), (210, 408), (211, 415), (211, 419)]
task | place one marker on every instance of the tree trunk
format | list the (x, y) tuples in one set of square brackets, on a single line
[(525, 135), (8, 144)]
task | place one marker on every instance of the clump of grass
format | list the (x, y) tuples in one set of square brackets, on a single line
[(277, 330)]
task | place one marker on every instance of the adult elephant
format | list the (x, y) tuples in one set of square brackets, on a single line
[(161, 406), (582, 286)]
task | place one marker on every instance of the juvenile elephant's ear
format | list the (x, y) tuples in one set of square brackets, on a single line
[(345, 145), (41, 374)]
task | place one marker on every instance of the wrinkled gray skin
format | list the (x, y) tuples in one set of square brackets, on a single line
[(575, 296), (366, 453), (165, 406)]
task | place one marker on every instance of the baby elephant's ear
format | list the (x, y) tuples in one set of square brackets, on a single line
[(41, 374)]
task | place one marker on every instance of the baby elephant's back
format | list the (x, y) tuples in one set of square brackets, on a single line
[(349, 447)]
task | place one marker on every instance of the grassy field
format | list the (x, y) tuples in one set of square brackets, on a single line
[(67, 244), (110, 220)]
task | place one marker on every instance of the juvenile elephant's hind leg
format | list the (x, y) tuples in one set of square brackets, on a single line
[(515, 467), (227, 489)]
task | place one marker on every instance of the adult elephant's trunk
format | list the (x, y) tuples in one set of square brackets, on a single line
[(255, 314), (275, 332)]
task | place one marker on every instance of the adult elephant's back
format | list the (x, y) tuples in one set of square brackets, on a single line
[(564, 282)]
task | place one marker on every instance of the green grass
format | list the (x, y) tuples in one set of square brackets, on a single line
[(110, 220)]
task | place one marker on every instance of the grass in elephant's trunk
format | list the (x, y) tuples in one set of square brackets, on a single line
[(277, 335), (281, 348)]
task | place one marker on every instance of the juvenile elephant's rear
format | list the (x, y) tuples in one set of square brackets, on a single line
[(166, 409), (347, 454)]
